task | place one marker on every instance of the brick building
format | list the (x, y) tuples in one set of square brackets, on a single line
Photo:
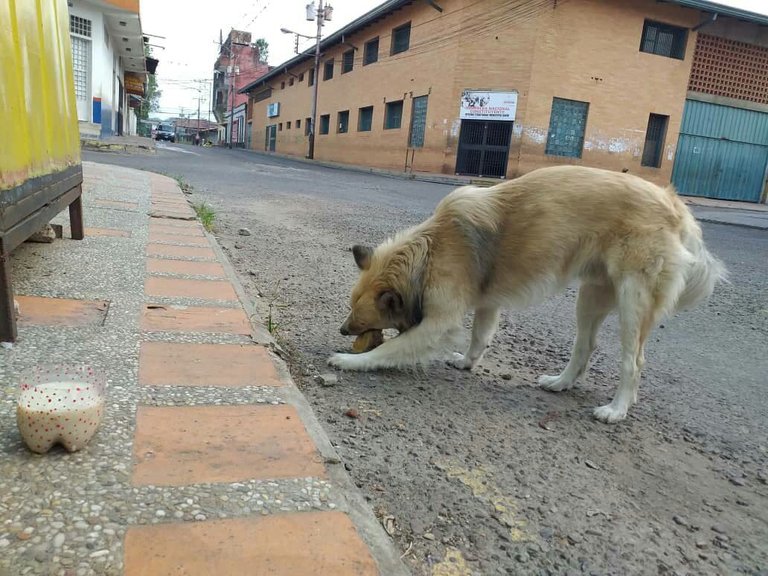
[(238, 64), (671, 91)]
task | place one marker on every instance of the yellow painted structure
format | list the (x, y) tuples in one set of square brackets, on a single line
[(37, 95)]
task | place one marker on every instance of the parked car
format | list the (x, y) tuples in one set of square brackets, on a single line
[(165, 132)]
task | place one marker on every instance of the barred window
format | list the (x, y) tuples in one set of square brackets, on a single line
[(80, 26), (348, 61), (401, 39), (365, 119), (664, 40), (371, 52)]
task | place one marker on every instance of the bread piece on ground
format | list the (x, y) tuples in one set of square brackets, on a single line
[(368, 341)]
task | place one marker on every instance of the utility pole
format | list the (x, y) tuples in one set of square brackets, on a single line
[(323, 13)]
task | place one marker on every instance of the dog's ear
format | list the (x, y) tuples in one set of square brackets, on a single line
[(390, 302), (362, 256)]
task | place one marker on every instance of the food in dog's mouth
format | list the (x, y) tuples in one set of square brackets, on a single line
[(367, 341)]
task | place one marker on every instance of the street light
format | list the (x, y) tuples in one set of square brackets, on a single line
[(321, 13)]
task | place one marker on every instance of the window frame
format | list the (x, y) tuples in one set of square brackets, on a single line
[(367, 51), (311, 79), (325, 124), (679, 39), (328, 65), (360, 112), (387, 114), (658, 153), (342, 119), (348, 58), (393, 49)]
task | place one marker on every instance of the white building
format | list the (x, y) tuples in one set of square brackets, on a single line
[(110, 67)]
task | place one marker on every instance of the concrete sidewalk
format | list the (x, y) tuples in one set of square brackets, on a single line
[(209, 459)]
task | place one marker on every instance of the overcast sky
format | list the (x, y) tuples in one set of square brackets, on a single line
[(191, 36)]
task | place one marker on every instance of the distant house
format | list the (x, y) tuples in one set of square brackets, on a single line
[(188, 128), (238, 64), (110, 67), (673, 90)]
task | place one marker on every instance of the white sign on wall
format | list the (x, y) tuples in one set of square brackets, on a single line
[(273, 109), (484, 105)]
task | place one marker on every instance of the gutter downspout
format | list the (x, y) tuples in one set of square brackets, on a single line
[(707, 22)]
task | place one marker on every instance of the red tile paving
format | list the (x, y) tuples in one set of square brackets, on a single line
[(178, 238), (181, 445), (110, 232), (186, 288), (180, 251), (226, 365), (39, 311), (185, 267), (162, 318), (302, 544)]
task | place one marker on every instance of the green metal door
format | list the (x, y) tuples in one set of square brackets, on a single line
[(722, 152)]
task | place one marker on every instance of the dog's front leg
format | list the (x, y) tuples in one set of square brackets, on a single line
[(416, 346)]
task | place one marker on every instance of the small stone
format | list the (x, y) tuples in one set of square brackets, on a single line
[(719, 529), (160, 513), (58, 540), (24, 535), (509, 377), (546, 533), (737, 480), (244, 232), (199, 517), (429, 536), (522, 557), (591, 464), (4, 542), (352, 413), (327, 380), (679, 520), (762, 476), (99, 553), (574, 538), (701, 543)]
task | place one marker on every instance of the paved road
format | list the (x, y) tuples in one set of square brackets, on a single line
[(484, 473)]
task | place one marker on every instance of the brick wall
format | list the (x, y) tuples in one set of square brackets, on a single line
[(585, 50)]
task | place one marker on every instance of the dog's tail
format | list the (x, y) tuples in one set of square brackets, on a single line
[(703, 270)]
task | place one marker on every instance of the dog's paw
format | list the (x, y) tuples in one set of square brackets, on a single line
[(460, 362), (610, 413), (555, 383), (346, 361)]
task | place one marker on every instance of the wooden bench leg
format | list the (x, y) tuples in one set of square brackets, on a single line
[(76, 217), (7, 312)]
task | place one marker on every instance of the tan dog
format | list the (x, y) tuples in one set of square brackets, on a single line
[(635, 247)]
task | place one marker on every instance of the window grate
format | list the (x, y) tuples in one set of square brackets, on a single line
[(371, 52), (567, 124), (654, 140), (348, 61), (343, 122), (80, 26), (328, 70), (418, 122), (80, 54), (664, 40), (401, 39), (365, 119), (393, 115)]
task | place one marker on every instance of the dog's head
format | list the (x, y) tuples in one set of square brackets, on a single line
[(385, 296)]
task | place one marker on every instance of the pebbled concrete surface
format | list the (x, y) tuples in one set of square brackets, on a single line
[(484, 473)]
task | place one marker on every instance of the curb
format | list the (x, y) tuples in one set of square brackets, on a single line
[(434, 179), (736, 224), (372, 533)]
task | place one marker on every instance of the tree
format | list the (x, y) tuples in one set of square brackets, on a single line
[(151, 102), (263, 47)]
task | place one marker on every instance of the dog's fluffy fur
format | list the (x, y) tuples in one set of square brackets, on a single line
[(635, 247)]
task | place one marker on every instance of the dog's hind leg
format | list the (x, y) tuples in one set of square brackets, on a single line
[(483, 328), (637, 314), (594, 303)]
